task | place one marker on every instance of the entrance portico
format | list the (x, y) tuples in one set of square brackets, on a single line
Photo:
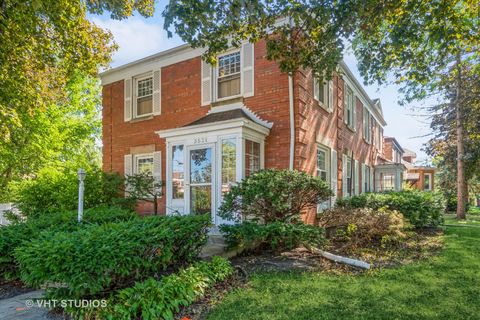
[(206, 157)]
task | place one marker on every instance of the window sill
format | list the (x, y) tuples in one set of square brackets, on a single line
[(366, 141), (324, 107), (142, 118), (351, 128), (228, 100)]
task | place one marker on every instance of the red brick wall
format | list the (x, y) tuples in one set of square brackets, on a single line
[(181, 105), (420, 182), (388, 149)]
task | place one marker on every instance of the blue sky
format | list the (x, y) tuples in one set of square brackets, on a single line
[(139, 37)]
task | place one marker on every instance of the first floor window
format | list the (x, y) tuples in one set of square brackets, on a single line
[(252, 157), (229, 165), (228, 76), (349, 177), (388, 182), (366, 183), (427, 181), (323, 172), (178, 172), (144, 164), (322, 163), (144, 96)]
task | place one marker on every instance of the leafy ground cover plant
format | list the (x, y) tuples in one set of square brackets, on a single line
[(160, 299), (17, 234), (98, 259), (364, 226), (420, 208), (274, 195), (278, 236)]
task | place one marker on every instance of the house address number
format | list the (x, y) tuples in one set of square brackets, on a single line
[(199, 140)]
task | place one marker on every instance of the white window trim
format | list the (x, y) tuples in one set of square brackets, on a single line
[(326, 94), (328, 169), (429, 175), (367, 127), (352, 125), (215, 76), (138, 157), (135, 95)]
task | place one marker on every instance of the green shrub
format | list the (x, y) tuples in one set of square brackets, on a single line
[(17, 234), (277, 236), (160, 299), (53, 190), (420, 208), (274, 195), (363, 227), (107, 257)]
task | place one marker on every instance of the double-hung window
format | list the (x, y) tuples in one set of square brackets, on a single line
[(366, 126), (229, 75), (427, 181), (323, 171), (349, 177), (366, 175), (252, 157), (144, 96), (144, 164), (349, 108), (323, 93)]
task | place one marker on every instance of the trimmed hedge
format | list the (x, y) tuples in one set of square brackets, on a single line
[(15, 235), (276, 236), (422, 209), (161, 299), (112, 256)]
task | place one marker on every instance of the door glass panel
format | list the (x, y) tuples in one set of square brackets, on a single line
[(201, 199), (201, 181), (201, 166), (229, 168)]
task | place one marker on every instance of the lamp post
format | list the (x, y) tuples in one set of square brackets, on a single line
[(81, 188)]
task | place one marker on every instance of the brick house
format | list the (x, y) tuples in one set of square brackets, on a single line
[(418, 177), (201, 128)]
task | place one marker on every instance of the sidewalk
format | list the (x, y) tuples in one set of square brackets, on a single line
[(17, 308)]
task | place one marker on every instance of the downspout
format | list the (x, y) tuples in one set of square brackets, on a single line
[(292, 119)]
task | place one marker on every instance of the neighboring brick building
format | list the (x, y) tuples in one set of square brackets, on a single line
[(201, 128), (419, 177)]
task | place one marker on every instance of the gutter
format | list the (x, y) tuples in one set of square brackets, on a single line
[(292, 120)]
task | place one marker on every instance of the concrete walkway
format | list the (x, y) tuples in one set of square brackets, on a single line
[(23, 307)]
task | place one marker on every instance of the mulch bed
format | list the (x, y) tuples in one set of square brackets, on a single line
[(9, 289)]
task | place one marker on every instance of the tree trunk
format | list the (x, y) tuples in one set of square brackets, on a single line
[(461, 183), (155, 206)]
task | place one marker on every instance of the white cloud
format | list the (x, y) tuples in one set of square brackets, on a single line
[(136, 38)]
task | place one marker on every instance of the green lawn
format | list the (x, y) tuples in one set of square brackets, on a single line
[(472, 220), (444, 287)]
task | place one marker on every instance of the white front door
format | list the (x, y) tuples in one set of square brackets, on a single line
[(200, 177)]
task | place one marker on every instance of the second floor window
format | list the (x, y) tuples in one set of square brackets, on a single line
[(144, 96), (349, 108), (366, 125), (228, 77)]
